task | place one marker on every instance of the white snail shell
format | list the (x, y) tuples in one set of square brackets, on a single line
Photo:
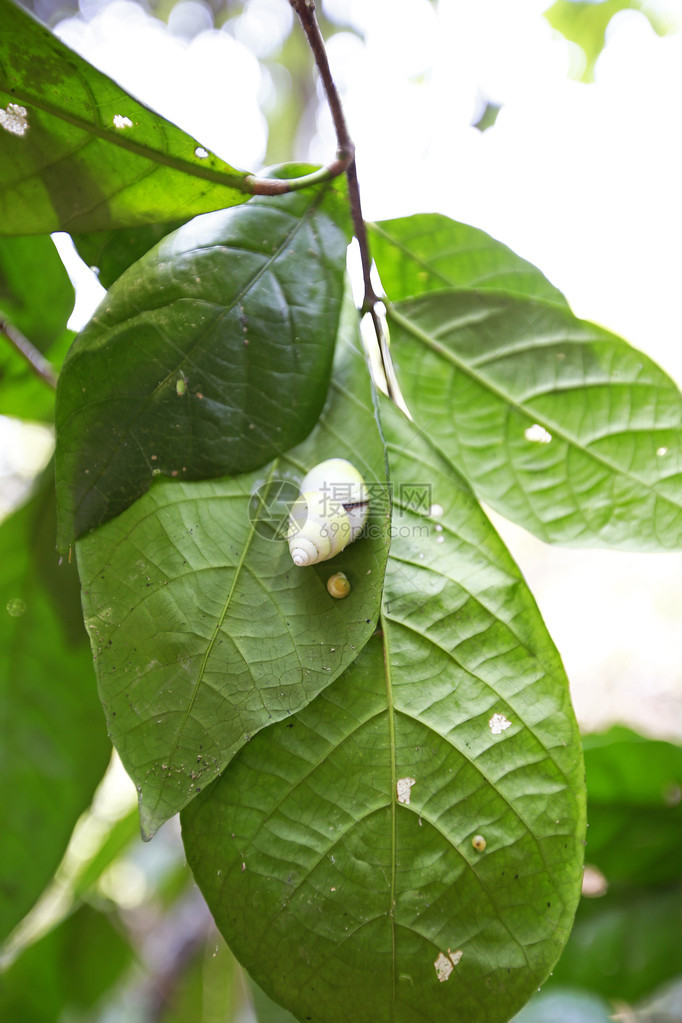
[(329, 513), (338, 585)]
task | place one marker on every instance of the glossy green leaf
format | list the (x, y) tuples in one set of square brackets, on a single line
[(109, 253), (625, 944), (78, 153), (557, 424), (427, 252), (36, 298), (203, 630), (53, 744), (66, 972), (634, 787), (210, 355), (336, 851)]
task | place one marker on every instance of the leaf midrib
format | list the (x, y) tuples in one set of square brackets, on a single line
[(440, 349), (125, 142), (390, 708), (216, 631)]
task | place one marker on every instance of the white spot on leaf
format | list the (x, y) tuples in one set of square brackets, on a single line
[(443, 967), (661, 452), (537, 434), (445, 964), (498, 723), (404, 789), (14, 119), (201, 153), (436, 510), (120, 121)]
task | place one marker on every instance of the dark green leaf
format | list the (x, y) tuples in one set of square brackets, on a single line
[(109, 253), (625, 944), (66, 972), (210, 355), (36, 294), (336, 851), (53, 747), (558, 424), (428, 252), (202, 628), (23, 394), (634, 788), (36, 298), (77, 153)]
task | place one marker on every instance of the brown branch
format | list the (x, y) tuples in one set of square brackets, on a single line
[(305, 9), (280, 186), (38, 363)]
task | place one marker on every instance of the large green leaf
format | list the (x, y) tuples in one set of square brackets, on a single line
[(36, 294), (210, 355), (36, 298), (202, 628), (77, 153), (53, 746), (558, 424), (109, 253), (625, 944), (428, 252), (634, 807), (337, 850)]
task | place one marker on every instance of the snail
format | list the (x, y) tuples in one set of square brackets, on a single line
[(329, 513), (338, 585)]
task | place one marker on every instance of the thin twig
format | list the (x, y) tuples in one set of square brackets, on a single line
[(305, 9), (38, 363), (280, 186)]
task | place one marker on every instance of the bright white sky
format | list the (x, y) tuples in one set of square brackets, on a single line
[(583, 180)]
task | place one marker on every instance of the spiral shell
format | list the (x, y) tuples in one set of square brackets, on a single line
[(329, 513), (338, 585)]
